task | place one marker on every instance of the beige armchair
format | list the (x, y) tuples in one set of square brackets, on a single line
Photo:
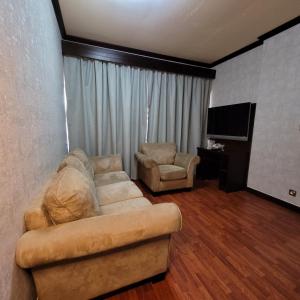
[(161, 168)]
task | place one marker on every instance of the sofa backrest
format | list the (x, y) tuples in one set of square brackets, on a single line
[(162, 153)]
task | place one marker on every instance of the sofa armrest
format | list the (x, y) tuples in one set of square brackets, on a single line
[(95, 235), (145, 160), (107, 163), (186, 160)]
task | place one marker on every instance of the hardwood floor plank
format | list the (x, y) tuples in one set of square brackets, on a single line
[(232, 246)]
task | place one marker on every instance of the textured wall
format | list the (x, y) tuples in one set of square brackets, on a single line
[(32, 126), (275, 155), (270, 76), (237, 79)]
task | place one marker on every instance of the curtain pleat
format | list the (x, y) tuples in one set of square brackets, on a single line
[(177, 110), (108, 106)]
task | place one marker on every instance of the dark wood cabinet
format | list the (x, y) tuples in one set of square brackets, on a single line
[(229, 166), (210, 163)]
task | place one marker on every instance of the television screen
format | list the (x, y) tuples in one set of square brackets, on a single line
[(229, 122)]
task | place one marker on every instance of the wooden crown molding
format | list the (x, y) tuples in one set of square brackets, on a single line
[(76, 46), (109, 51), (260, 41), (237, 53), (59, 18), (83, 49), (137, 51), (280, 28)]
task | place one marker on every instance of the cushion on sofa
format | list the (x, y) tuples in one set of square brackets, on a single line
[(116, 192), (162, 154), (70, 197), (171, 172), (111, 177), (36, 216), (80, 154), (124, 206), (75, 162), (106, 163)]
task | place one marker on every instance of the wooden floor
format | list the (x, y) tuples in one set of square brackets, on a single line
[(232, 246)]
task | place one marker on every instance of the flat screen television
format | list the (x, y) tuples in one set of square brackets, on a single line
[(230, 122)]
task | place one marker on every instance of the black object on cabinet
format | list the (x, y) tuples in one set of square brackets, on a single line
[(229, 166)]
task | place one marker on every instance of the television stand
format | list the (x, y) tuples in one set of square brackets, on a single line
[(229, 166)]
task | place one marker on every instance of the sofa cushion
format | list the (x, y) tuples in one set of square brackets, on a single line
[(171, 172), (107, 163), (70, 197), (36, 216), (80, 154), (162, 154), (75, 162), (109, 178), (124, 206), (116, 192)]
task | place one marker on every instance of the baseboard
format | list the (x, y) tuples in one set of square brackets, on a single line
[(273, 199)]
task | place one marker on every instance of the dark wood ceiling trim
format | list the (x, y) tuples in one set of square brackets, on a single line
[(59, 18), (60, 21), (280, 28), (71, 48), (260, 40), (137, 51), (237, 53), (161, 57)]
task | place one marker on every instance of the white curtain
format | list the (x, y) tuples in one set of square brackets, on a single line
[(108, 106), (178, 109)]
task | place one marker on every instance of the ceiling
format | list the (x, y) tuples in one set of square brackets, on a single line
[(200, 30)]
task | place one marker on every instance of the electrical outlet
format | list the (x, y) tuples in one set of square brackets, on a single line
[(292, 193)]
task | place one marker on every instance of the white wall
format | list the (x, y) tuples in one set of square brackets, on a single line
[(270, 76), (32, 124), (237, 79)]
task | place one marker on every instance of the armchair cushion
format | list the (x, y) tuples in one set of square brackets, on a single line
[(171, 172), (95, 235), (162, 154), (70, 197)]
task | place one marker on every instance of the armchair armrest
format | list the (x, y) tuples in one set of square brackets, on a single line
[(108, 163), (145, 160), (186, 160), (95, 235)]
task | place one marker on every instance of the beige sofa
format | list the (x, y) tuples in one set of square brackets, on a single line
[(91, 231), (161, 168)]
